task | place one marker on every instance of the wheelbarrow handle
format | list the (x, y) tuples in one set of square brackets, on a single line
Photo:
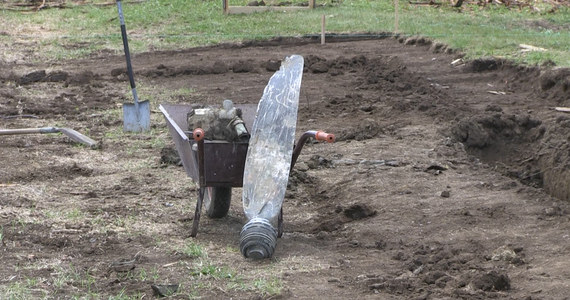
[(323, 136), (198, 134), (318, 135)]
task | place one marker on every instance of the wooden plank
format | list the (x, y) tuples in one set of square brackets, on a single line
[(254, 9)]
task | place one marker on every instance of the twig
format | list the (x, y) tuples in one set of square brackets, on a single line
[(170, 264), (562, 109), (19, 116)]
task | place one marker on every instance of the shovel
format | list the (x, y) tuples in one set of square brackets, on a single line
[(136, 117), (72, 134)]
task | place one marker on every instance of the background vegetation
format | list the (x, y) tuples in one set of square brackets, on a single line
[(78, 29)]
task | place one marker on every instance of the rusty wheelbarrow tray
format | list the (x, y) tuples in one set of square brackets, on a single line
[(218, 165)]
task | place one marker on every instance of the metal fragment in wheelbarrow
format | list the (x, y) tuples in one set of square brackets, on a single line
[(268, 159)]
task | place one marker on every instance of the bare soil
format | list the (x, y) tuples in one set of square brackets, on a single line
[(447, 181)]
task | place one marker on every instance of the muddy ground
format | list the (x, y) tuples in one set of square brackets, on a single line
[(447, 181)]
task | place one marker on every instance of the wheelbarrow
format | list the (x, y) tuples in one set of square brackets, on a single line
[(260, 164), (218, 165)]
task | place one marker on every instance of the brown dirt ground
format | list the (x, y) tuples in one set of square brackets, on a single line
[(446, 181)]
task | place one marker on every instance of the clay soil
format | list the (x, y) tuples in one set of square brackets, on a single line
[(447, 181)]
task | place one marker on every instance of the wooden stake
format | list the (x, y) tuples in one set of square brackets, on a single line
[(396, 16), (323, 30)]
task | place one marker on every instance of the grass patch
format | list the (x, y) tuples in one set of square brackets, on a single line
[(205, 274), (192, 250), (15, 291), (123, 296), (268, 287), (153, 25), (207, 269)]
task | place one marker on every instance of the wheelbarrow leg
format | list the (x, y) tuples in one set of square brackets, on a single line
[(197, 212), (280, 224), (198, 135)]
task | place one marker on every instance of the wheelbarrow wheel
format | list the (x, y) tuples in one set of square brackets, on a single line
[(217, 201)]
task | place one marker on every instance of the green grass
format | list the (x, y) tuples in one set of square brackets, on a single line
[(268, 287), (175, 24), (15, 290), (192, 250)]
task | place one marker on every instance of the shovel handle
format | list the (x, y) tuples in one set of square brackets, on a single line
[(28, 130), (126, 45)]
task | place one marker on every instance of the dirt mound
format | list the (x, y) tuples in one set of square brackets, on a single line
[(556, 85)]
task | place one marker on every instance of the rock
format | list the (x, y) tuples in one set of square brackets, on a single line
[(301, 166), (445, 194), (165, 290)]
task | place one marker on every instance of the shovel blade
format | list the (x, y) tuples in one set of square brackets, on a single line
[(136, 120)]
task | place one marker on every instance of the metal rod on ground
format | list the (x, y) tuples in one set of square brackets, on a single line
[(70, 133), (323, 30)]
